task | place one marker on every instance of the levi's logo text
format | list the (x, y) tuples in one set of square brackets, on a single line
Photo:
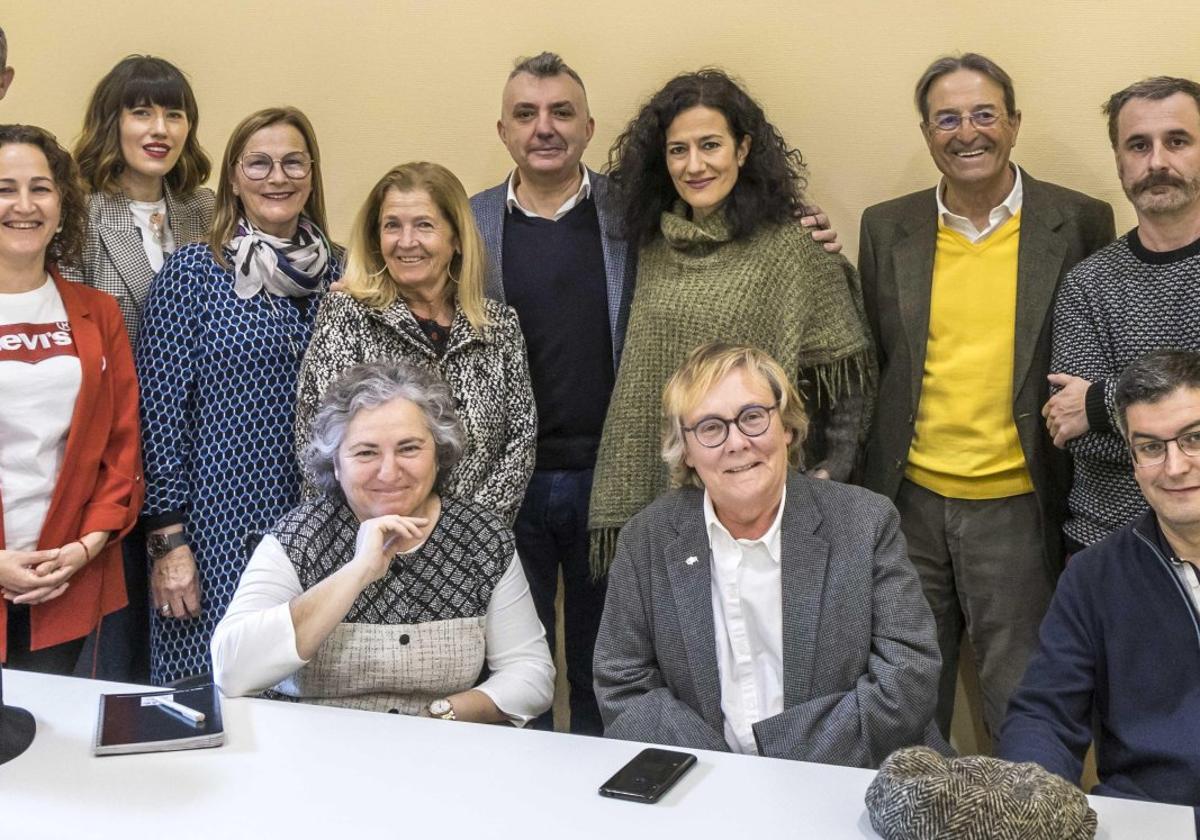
[(33, 343)]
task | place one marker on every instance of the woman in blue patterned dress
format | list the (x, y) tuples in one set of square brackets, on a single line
[(218, 354)]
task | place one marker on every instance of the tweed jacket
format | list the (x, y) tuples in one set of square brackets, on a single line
[(488, 375), (860, 657), (1059, 227), (114, 259), (620, 261)]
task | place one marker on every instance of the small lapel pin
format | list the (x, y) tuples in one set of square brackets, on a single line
[(691, 561)]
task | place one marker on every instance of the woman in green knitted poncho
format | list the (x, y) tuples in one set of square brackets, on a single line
[(708, 189)]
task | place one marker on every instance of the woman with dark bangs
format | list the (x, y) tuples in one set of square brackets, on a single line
[(140, 158), (708, 189), (144, 167)]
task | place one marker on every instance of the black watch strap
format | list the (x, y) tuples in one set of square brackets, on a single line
[(158, 545)]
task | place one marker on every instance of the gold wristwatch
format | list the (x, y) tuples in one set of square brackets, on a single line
[(442, 709)]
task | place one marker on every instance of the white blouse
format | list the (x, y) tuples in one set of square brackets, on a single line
[(254, 646)]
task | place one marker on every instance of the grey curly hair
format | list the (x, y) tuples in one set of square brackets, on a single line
[(369, 386)]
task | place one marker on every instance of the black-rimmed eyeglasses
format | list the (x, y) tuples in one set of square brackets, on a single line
[(982, 118), (257, 166), (1151, 453), (751, 421)]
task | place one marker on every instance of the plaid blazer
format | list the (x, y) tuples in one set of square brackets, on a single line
[(620, 261), (860, 654), (114, 259)]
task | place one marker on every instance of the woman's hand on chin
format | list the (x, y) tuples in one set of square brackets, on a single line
[(380, 538)]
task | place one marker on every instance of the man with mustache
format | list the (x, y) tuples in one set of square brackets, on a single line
[(1139, 294), (554, 257), (958, 283)]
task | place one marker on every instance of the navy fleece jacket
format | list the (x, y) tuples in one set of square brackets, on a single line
[(1121, 640)]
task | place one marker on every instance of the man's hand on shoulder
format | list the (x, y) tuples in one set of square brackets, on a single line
[(813, 218)]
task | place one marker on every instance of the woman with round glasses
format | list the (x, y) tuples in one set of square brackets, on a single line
[(222, 337), (141, 160), (755, 609), (708, 189), (414, 291)]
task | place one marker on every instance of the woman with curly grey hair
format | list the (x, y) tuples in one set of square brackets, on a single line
[(708, 189), (383, 593)]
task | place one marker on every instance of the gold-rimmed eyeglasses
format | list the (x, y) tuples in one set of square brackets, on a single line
[(257, 166)]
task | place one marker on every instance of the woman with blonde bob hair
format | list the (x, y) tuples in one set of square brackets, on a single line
[(218, 359), (705, 367), (413, 291), (756, 608)]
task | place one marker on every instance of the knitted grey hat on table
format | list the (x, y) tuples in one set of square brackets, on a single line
[(920, 795)]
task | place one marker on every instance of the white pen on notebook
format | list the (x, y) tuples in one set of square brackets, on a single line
[(169, 705)]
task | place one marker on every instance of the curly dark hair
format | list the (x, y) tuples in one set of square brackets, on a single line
[(67, 245), (770, 185)]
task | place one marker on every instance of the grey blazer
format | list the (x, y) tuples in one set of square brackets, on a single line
[(1059, 227), (620, 261), (114, 259), (860, 657)]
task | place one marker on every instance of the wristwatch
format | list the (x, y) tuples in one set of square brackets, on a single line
[(442, 709), (158, 545)]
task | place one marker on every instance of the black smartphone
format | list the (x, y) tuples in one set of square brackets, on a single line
[(650, 774)]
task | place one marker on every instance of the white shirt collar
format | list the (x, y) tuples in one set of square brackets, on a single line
[(585, 190), (770, 539), (998, 216)]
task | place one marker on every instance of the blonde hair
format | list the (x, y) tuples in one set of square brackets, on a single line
[(229, 206), (366, 278), (703, 368)]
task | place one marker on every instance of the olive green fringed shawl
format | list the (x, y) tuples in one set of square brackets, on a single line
[(776, 289)]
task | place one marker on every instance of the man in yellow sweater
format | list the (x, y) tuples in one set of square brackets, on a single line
[(959, 284)]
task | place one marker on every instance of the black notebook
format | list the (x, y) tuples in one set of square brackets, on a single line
[(140, 723)]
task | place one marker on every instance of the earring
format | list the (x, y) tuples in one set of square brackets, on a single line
[(58, 229)]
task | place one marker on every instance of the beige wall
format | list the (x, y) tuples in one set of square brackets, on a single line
[(394, 80)]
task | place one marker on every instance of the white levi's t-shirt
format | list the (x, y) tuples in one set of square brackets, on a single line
[(40, 375)]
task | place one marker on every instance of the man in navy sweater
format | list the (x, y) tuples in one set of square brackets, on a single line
[(1119, 652), (554, 256)]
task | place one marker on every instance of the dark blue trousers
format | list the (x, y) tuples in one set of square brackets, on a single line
[(552, 533)]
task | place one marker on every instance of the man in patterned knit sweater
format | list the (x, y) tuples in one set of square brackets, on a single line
[(1139, 294)]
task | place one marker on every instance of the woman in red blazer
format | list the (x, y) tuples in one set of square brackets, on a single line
[(70, 465)]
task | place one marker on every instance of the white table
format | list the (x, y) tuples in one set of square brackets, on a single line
[(297, 771)]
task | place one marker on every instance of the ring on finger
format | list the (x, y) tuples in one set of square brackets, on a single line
[(165, 610)]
